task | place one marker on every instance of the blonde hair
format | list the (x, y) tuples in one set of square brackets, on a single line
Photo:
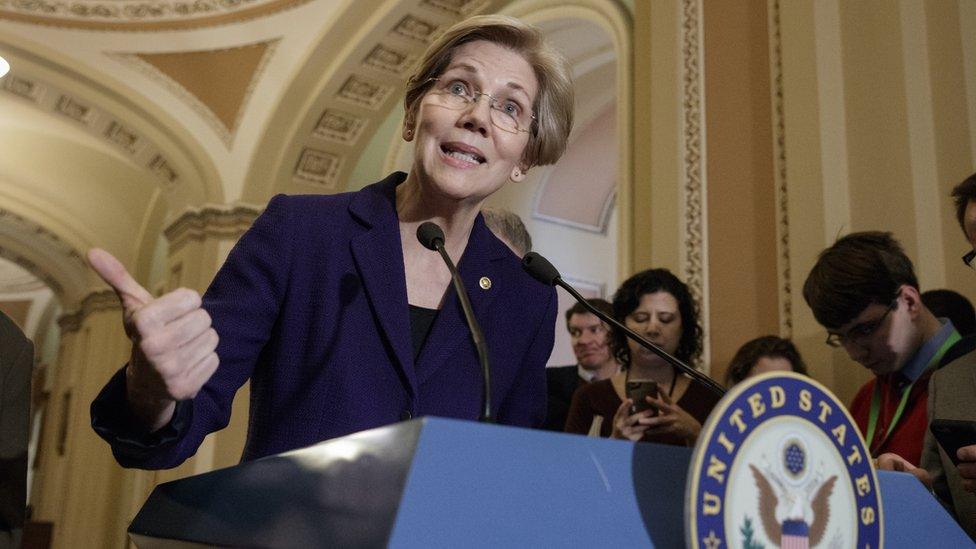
[(553, 106)]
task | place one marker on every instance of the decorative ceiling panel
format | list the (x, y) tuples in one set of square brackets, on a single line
[(140, 15), (100, 123), (215, 83)]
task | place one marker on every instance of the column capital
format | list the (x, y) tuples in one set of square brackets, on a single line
[(98, 300), (210, 221)]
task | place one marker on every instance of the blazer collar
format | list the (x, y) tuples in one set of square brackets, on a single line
[(482, 275), (379, 260)]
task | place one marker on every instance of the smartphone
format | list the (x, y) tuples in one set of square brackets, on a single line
[(953, 434), (637, 390)]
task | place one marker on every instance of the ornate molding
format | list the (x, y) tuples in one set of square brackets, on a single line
[(45, 246), (212, 221), (34, 269), (201, 109), (695, 263), (140, 15), (97, 301), (70, 322), (99, 123), (361, 94), (779, 160)]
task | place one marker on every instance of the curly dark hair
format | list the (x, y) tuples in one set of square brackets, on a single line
[(628, 296), (766, 346)]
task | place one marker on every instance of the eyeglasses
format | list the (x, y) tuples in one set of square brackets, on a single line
[(968, 259), (861, 332), (506, 114)]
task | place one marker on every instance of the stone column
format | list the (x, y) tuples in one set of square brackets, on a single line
[(82, 488)]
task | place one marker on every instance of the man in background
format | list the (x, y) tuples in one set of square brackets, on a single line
[(590, 338), (952, 392), (864, 291), (16, 363)]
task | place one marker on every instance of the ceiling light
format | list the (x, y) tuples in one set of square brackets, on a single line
[(4, 67)]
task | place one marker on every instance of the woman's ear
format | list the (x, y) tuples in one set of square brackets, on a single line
[(408, 131), (518, 173)]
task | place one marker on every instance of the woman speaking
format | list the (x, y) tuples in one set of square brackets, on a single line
[(340, 318)]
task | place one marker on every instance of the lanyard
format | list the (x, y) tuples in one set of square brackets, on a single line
[(876, 395)]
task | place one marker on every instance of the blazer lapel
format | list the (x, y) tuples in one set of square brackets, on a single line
[(379, 260), (450, 333)]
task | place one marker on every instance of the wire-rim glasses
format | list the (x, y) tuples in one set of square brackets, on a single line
[(859, 333), (455, 94)]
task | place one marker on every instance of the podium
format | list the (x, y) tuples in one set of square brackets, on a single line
[(433, 482)]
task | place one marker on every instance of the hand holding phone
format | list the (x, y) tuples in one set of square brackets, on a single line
[(953, 434), (637, 391)]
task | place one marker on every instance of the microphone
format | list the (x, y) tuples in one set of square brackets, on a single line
[(540, 269), (431, 237)]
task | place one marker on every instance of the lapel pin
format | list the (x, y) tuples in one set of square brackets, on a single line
[(485, 283)]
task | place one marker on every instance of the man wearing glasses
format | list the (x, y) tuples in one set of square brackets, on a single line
[(863, 290), (952, 394)]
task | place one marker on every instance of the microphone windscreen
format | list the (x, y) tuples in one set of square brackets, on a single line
[(540, 268), (428, 233)]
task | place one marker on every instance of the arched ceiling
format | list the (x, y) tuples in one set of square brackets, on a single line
[(122, 113), (25, 298)]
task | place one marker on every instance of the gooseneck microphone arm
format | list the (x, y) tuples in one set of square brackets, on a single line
[(431, 237), (543, 271)]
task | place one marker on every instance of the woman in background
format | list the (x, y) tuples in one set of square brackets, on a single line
[(764, 354), (657, 305)]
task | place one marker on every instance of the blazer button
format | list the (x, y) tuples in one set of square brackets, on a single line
[(405, 415)]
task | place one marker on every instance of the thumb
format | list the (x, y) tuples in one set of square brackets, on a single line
[(130, 293)]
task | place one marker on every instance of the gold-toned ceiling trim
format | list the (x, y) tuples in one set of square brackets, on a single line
[(140, 16), (210, 221), (366, 91), (141, 62), (97, 122), (94, 302)]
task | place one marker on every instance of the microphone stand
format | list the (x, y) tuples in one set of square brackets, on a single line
[(431, 237), (476, 335)]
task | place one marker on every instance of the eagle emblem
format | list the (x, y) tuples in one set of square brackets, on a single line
[(794, 505)]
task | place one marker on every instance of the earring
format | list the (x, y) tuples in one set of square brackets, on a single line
[(517, 173), (409, 132)]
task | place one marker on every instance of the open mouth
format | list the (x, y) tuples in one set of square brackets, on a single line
[(462, 153)]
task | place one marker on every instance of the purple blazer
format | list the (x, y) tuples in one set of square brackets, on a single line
[(311, 306)]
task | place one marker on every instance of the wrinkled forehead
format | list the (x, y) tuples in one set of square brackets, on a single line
[(496, 65)]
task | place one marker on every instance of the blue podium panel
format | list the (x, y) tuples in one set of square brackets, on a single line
[(435, 482), (339, 493), (475, 485), (913, 517)]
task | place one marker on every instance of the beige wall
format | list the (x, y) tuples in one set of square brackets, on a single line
[(820, 118), (741, 187), (876, 135)]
